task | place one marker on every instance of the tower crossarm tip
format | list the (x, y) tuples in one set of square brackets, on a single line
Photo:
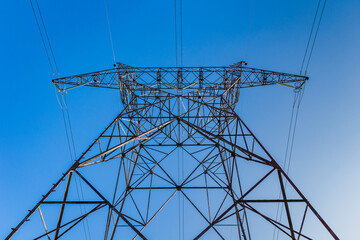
[(252, 77)]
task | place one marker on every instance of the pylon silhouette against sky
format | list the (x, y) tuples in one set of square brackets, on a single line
[(177, 162)]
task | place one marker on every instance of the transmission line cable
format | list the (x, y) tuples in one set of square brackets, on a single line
[(181, 33), (62, 103), (249, 30), (316, 33), (42, 39), (47, 37), (288, 152), (69, 122), (77, 183), (311, 32), (176, 41), (65, 124), (109, 27), (112, 44), (297, 101), (72, 152), (299, 98), (311, 41)]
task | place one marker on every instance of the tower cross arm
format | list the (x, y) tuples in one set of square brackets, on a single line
[(187, 77)]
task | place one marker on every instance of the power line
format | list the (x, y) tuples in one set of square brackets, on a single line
[(289, 149), (311, 32), (62, 102), (297, 101), (176, 43), (111, 39), (73, 158), (181, 34), (178, 52), (48, 40), (308, 55), (249, 30), (317, 30), (42, 39)]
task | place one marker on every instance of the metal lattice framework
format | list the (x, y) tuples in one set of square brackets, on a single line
[(177, 155)]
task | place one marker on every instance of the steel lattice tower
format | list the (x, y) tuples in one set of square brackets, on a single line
[(178, 154)]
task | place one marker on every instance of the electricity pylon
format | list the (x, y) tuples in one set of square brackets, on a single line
[(176, 162)]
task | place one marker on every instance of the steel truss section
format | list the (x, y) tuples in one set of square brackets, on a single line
[(177, 155)]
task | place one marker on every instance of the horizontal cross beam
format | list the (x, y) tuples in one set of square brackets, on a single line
[(182, 78)]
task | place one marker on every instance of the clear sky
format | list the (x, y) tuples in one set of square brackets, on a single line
[(266, 34)]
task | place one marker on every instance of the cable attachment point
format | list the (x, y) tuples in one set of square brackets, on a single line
[(64, 90), (61, 90)]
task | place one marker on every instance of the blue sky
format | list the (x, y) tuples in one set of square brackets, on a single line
[(266, 34)]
